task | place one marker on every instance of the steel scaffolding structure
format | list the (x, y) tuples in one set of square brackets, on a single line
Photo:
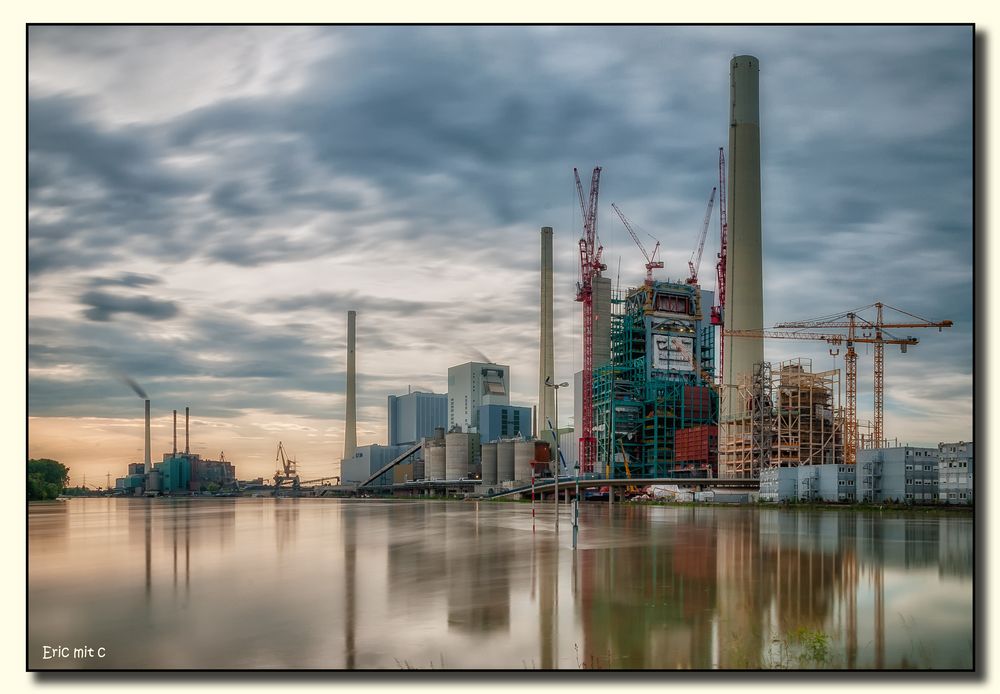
[(655, 382)]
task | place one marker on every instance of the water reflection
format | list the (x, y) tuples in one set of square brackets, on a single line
[(473, 585)]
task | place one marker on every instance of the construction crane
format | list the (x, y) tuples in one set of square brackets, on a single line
[(853, 323), (590, 269), (851, 376), (718, 311), (695, 262), (286, 469), (651, 262)]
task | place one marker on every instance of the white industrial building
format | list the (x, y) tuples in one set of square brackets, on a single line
[(471, 385), (955, 472)]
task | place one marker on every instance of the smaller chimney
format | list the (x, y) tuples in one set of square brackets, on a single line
[(174, 454), (187, 431), (148, 465)]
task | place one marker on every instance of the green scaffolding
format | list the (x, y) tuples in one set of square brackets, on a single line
[(638, 408)]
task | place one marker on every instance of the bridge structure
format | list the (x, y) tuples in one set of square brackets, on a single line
[(569, 484)]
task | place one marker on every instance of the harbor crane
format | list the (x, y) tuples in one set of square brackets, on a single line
[(851, 377), (286, 469), (695, 262), (651, 262), (591, 267)]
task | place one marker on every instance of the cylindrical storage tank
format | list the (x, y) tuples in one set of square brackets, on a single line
[(505, 461), (456, 460), (154, 481), (542, 451), (489, 460), (524, 453), (439, 433), (434, 461)]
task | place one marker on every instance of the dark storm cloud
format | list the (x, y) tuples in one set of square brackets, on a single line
[(105, 306), (431, 147)]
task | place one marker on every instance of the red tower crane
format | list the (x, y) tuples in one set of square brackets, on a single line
[(695, 262), (720, 266), (590, 269), (651, 263)]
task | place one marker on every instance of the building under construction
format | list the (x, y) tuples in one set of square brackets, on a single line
[(657, 384), (788, 418)]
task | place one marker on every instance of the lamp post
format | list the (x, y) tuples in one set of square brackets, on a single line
[(555, 435)]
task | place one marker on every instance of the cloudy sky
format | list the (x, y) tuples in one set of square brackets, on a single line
[(205, 204)]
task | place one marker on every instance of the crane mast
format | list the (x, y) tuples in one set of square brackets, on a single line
[(720, 267), (590, 269), (695, 262)]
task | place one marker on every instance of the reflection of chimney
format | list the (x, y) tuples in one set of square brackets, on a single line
[(351, 417), (187, 431), (174, 454), (149, 466), (546, 370)]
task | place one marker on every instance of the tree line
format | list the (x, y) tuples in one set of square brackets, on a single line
[(46, 479)]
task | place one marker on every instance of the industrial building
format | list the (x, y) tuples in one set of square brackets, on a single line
[(473, 384), (503, 422), (955, 472), (368, 460), (415, 415), (905, 474), (657, 382), (829, 483)]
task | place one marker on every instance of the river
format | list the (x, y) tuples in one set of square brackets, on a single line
[(244, 583)]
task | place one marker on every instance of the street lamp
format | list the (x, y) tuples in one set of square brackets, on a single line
[(555, 435)]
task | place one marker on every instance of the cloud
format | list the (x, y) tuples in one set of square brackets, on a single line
[(105, 306)]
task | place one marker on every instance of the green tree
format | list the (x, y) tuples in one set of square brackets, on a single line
[(46, 479)]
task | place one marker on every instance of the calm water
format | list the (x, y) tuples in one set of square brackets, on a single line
[(318, 583)]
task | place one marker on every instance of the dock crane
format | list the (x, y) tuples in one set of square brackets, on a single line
[(695, 262), (850, 359), (651, 262), (286, 469), (854, 323), (591, 267)]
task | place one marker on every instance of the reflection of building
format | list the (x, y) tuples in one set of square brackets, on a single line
[(415, 415), (955, 472), (471, 385)]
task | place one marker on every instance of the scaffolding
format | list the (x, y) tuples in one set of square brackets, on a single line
[(655, 382), (791, 418)]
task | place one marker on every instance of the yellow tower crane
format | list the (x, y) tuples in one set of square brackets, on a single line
[(851, 361)]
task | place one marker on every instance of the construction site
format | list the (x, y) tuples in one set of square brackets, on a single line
[(674, 389)]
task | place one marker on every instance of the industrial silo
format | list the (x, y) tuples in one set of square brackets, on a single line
[(456, 460), (505, 461), (489, 456), (434, 467), (524, 454)]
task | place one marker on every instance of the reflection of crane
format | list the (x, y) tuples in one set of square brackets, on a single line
[(850, 359), (590, 269), (853, 323), (286, 469), (720, 266), (695, 261), (651, 262)]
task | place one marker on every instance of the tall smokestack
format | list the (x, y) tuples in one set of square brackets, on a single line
[(149, 463), (187, 431), (174, 454), (351, 418), (546, 369), (744, 286)]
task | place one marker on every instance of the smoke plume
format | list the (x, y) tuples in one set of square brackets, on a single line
[(134, 386)]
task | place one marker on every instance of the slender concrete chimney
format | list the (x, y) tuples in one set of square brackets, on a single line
[(351, 417), (148, 467), (744, 285), (546, 370), (187, 431), (174, 454)]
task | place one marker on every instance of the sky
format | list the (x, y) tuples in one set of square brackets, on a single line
[(205, 204)]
